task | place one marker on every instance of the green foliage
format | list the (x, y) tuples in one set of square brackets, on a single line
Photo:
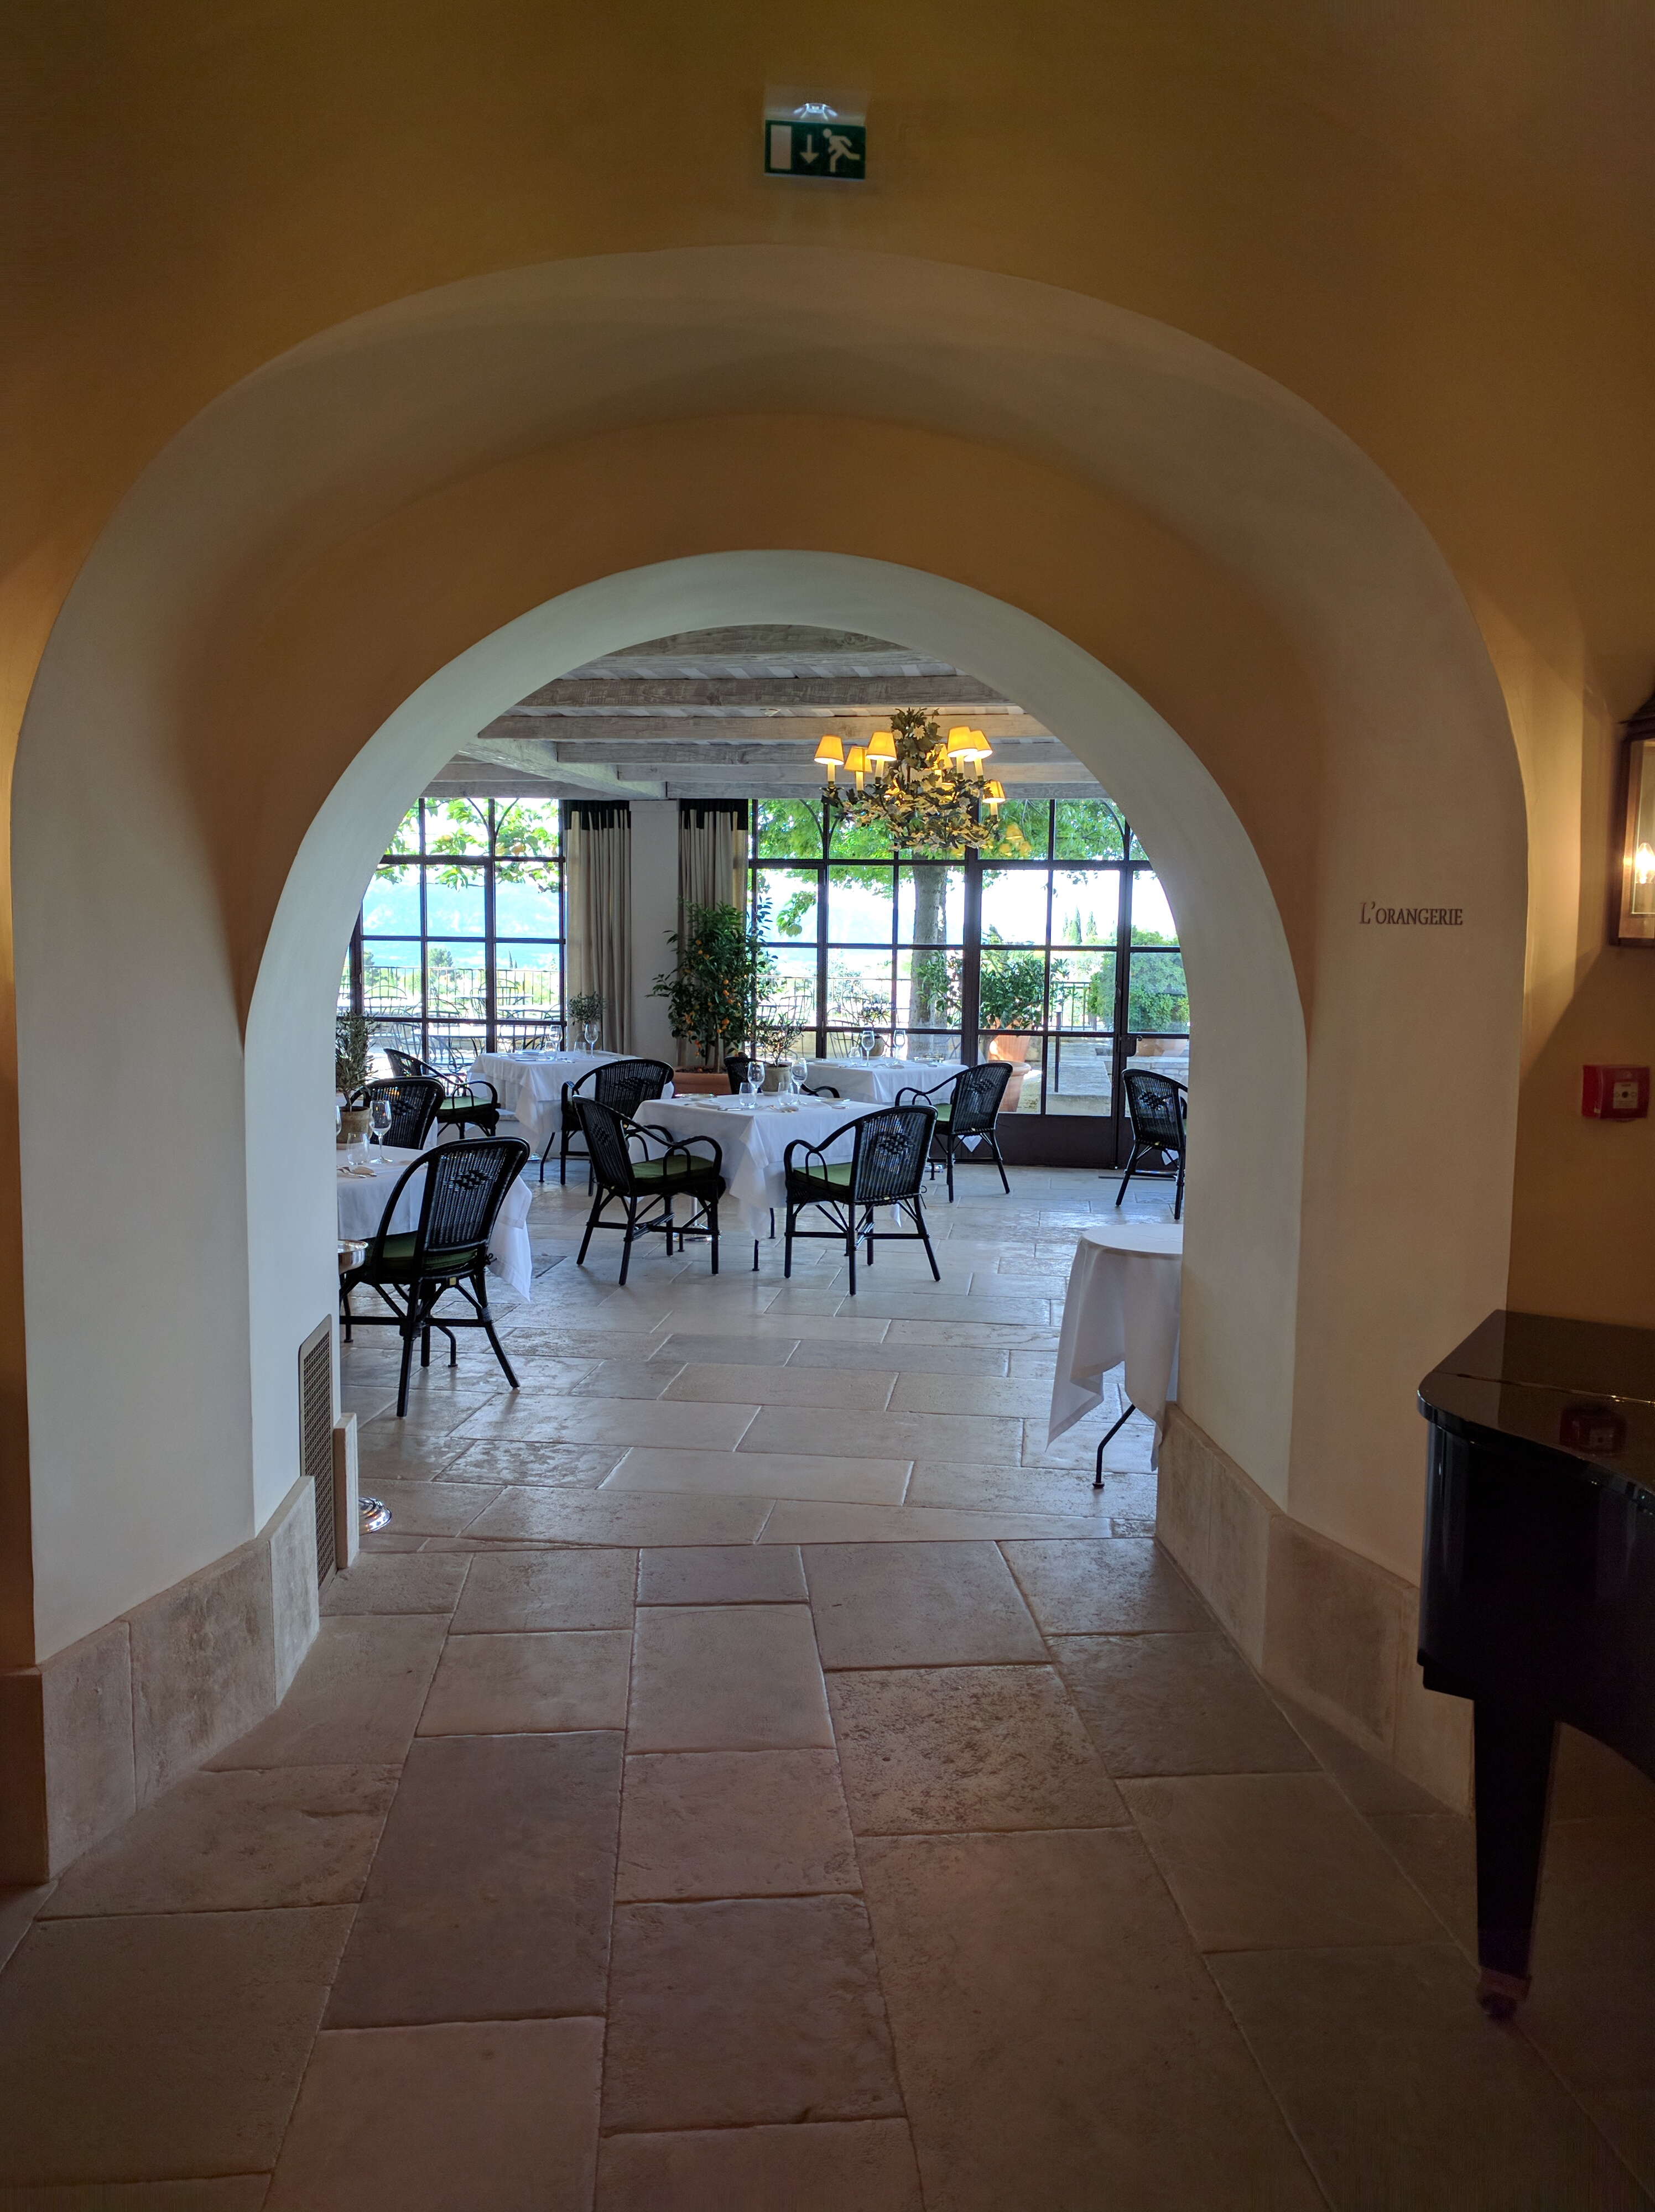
[(525, 832), (350, 1036), (1158, 997), (587, 1007), (724, 970), (1012, 990), (790, 922)]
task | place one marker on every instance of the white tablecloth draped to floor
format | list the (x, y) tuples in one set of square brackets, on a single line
[(1121, 1303), (754, 1142), (531, 1086), (362, 1202), (878, 1081)]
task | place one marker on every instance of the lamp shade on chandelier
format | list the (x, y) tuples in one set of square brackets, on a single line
[(924, 788)]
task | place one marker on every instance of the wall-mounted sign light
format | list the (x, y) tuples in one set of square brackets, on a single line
[(816, 135), (1635, 921)]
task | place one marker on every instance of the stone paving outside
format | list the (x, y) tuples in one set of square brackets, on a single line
[(753, 1771)]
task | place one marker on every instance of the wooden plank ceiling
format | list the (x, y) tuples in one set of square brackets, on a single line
[(736, 713)]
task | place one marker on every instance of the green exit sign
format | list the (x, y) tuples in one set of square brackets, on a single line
[(816, 148)]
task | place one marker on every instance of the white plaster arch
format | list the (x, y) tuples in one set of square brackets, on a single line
[(1248, 1031), (162, 1418)]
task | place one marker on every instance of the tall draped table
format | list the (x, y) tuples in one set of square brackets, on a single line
[(362, 1202), (530, 1085), (754, 1142), (1121, 1303), (878, 1081)]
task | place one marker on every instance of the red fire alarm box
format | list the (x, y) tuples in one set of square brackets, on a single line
[(1615, 1094)]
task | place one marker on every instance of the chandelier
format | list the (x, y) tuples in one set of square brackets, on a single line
[(928, 791)]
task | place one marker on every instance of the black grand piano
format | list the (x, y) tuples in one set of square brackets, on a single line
[(1537, 1596)]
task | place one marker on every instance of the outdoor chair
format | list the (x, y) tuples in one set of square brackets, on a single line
[(465, 1184), (650, 1187), (967, 1116), (622, 1084), (414, 1102), (887, 1167), (462, 1102), (1155, 1105), (736, 1064)]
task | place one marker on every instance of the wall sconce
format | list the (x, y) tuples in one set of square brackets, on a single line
[(1635, 921)]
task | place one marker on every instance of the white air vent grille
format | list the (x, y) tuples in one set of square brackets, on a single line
[(316, 1436)]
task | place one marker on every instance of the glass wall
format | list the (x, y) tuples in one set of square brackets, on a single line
[(1052, 964), (459, 945)]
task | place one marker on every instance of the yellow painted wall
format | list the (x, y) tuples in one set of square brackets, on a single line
[(1430, 231)]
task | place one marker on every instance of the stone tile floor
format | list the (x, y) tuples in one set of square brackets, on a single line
[(754, 1770)]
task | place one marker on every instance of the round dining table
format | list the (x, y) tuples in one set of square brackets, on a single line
[(363, 1192), (1121, 1303), (753, 1136), (530, 1086), (876, 1082)]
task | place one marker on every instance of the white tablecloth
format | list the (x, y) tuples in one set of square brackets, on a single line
[(754, 1144), (1121, 1303), (878, 1081), (362, 1202), (531, 1086)]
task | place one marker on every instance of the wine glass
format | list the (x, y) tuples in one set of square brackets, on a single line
[(869, 1039), (589, 1033), (756, 1076), (381, 1119)]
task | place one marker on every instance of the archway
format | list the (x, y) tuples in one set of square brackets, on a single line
[(1333, 1251)]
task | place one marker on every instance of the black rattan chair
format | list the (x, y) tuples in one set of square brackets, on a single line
[(414, 1100), (1155, 1105), (465, 1184), (887, 1167), (623, 1084), (967, 1115), (648, 1187), (462, 1102), (735, 1069)]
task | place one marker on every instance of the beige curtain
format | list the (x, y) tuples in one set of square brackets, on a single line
[(598, 911), (711, 855)]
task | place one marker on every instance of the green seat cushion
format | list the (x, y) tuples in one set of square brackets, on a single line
[(832, 1181), (944, 1112), (399, 1253), (674, 1169)]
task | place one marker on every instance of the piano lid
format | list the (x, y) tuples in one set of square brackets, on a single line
[(1583, 1390)]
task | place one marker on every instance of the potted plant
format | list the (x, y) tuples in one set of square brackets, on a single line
[(586, 1011), (350, 1034), (724, 968)]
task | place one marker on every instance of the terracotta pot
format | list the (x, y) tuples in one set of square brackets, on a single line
[(355, 1127), (1010, 1045)]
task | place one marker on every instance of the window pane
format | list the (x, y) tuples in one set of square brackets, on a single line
[(928, 990), (525, 980), (1022, 1055), (790, 895), (526, 826), (1085, 907), (453, 902), (525, 899), (1138, 852), (1151, 917), (787, 828), (392, 906), (1088, 829), (406, 839), (456, 825), (1015, 906), (1078, 1075), (453, 1045), (1082, 990), (792, 996), (930, 904), (343, 1000), (859, 989), (869, 841), (1157, 996), (1012, 991), (391, 976), (1034, 817), (859, 905), (455, 981)]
